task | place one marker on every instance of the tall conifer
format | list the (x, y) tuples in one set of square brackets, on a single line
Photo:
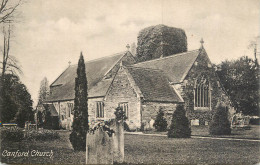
[(80, 122)]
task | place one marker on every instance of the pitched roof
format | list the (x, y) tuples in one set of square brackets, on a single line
[(63, 87), (175, 67), (154, 85)]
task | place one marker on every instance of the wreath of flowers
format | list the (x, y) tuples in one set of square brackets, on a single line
[(103, 127)]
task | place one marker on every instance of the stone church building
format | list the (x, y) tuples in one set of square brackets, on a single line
[(142, 89)]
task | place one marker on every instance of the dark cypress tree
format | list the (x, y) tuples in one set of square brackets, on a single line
[(220, 124), (180, 126), (80, 122), (160, 123)]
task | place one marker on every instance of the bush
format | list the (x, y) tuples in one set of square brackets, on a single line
[(43, 135), (180, 126), (16, 135), (220, 124), (160, 122), (254, 121)]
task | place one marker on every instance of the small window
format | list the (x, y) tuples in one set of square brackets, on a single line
[(100, 109), (70, 105), (124, 106)]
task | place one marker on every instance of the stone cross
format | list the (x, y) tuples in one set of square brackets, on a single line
[(202, 42), (127, 47)]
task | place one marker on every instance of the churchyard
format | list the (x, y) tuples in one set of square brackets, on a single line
[(150, 149)]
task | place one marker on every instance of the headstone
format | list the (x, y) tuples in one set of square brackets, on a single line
[(104, 149), (195, 122), (99, 148), (118, 140)]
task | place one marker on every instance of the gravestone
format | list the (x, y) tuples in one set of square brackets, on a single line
[(104, 149), (99, 148), (118, 141)]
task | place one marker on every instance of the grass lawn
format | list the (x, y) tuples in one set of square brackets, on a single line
[(253, 133), (62, 151), (147, 149)]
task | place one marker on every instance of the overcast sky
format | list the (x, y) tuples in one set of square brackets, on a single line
[(53, 32)]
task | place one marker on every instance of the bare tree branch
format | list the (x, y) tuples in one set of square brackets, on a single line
[(7, 10)]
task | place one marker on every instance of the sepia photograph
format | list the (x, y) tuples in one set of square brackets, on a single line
[(129, 82)]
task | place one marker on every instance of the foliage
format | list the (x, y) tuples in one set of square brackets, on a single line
[(44, 90), (220, 124), (16, 103), (80, 123), (105, 127), (160, 122), (254, 121), (120, 114), (12, 135), (42, 135), (40, 118), (180, 126), (149, 45), (240, 80), (50, 122)]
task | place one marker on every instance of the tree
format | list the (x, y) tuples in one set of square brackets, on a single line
[(160, 122), (160, 40), (80, 122), (9, 63), (180, 126), (220, 124), (7, 10), (44, 90), (16, 102), (240, 80), (7, 18)]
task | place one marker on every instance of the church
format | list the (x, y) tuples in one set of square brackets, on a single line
[(143, 88)]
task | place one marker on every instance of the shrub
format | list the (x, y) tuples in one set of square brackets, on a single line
[(16, 135), (160, 122), (220, 124), (254, 121), (180, 126), (43, 135)]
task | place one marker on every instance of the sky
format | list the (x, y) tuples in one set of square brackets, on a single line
[(50, 33)]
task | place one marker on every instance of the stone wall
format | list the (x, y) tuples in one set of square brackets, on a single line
[(122, 91), (150, 110), (201, 66), (65, 113)]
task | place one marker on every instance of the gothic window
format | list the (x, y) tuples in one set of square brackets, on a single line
[(100, 109), (202, 94), (124, 106)]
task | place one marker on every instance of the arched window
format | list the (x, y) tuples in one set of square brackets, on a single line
[(202, 93)]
